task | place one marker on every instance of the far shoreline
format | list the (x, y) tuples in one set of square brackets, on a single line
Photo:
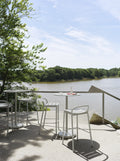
[(75, 80)]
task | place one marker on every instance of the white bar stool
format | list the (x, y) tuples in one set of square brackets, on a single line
[(78, 110), (47, 105), (6, 105), (27, 101)]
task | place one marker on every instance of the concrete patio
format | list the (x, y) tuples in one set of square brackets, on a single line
[(25, 144)]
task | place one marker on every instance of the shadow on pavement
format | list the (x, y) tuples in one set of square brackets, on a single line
[(84, 149)]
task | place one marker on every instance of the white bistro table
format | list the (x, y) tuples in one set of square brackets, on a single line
[(67, 134), (15, 91)]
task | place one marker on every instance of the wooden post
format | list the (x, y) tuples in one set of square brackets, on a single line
[(103, 107)]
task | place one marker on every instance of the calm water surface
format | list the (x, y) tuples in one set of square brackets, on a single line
[(111, 85)]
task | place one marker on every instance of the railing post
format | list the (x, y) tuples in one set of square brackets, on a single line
[(66, 114), (103, 107)]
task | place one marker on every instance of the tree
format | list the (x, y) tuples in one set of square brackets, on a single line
[(16, 61), (51, 76)]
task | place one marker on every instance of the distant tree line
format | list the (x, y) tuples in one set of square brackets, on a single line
[(58, 73)]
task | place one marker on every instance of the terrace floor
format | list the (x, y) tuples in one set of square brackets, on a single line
[(25, 144)]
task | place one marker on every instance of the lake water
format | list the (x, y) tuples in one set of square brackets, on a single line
[(110, 85)]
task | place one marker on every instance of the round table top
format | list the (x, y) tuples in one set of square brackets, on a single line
[(67, 94)]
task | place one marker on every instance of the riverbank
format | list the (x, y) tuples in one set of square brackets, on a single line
[(73, 80)]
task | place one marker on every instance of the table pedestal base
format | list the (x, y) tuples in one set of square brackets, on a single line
[(15, 126), (67, 135)]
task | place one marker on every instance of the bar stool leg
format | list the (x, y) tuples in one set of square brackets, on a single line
[(89, 126), (89, 129), (45, 116), (19, 110), (7, 120), (41, 120), (27, 115), (42, 115), (37, 116), (12, 117)]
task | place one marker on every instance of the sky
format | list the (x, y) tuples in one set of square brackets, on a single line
[(77, 33)]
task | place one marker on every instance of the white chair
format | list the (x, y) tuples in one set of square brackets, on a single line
[(78, 110), (6, 105), (28, 101), (47, 105)]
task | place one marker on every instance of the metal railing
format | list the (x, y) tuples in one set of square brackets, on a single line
[(92, 89)]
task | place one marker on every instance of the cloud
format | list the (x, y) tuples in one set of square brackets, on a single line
[(111, 6), (95, 44), (54, 2), (75, 49), (82, 20)]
